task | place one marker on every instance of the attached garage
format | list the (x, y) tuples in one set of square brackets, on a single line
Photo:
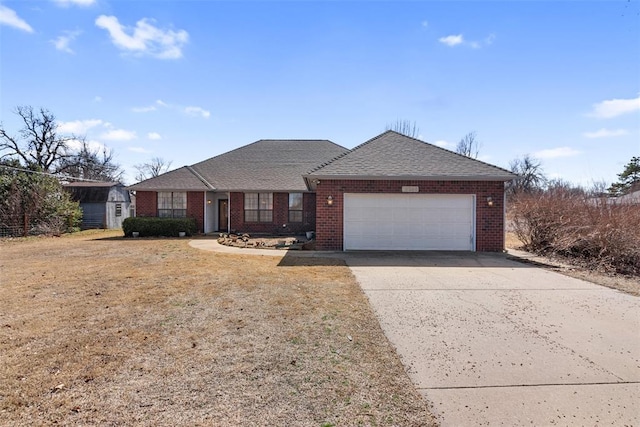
[(409, 222), (395, 192)]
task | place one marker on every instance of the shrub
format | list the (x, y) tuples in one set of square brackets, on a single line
[(154, 227), (571, 224), (34, 203)]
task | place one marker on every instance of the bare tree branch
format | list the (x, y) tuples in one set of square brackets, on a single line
[(532, 176), (469, 146), (404, 127), (156, 166), (39, 144)]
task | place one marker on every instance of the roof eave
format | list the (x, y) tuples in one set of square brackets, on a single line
[(311, 178)]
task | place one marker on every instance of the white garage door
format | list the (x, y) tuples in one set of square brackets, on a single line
[(409, 222)]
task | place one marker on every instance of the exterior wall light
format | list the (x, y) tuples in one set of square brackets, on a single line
[(330, 200), (489, 201), (209, 201)]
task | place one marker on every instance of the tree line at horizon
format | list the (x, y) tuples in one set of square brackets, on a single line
[(35, 160)]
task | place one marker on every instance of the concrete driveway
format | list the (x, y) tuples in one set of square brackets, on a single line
[(489, 341)]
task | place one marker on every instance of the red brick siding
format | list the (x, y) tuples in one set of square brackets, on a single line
[(146, 203), (489, 220), (308, 212), (280, 215), (195, 208)]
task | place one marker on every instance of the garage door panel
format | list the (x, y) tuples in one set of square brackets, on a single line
[(408, 222)]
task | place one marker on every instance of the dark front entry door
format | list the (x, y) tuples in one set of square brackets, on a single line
[(223, 218)]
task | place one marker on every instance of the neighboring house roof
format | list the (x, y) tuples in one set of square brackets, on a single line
[(632, 197), (264, 165), (393, 155)]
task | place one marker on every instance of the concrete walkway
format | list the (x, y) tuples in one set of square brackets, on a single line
[(490, 341)]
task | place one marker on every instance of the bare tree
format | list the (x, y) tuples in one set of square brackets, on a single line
[(156, 166), (38, 144), (469, 146), (532, 176), (404, 127), (92, 164)]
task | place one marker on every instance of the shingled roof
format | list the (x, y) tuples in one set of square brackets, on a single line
[(396, 156), (265, 165)]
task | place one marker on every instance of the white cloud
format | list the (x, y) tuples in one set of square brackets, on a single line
[(144, 109), (197, 111), (145, 38), (10, 18), (67, 3), (154, 135), (452, 40), (93, 145), (152, 107), (79, 126), (119, 135), (615, 107), (455, 40), (138, 150), (424, 24), (190, 110), (554, 153), (606, 133), (63, 41), (97, 99)]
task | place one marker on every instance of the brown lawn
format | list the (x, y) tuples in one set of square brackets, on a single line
[(95, 329)]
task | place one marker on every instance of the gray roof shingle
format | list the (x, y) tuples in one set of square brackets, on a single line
[(265, 165), (393, 155)]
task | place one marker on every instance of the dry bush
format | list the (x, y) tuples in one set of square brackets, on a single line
[(571, 224)]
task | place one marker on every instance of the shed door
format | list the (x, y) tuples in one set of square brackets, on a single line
[(409, 222)]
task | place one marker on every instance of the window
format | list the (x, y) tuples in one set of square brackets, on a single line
[(118, 209), (258, 207), (172, 204), (295, 207)]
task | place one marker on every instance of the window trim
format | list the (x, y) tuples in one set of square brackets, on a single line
[(173, 212), (262, 215), (295, 211)]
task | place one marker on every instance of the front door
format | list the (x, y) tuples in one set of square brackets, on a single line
[(223, 218)]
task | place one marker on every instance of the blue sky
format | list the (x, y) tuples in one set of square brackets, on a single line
[(188, 80)]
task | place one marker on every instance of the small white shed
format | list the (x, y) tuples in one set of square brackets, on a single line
[(103, 204)]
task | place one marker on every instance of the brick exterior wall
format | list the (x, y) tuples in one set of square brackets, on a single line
[(280, 216), (195, 208), (146, 203), (489, 220)]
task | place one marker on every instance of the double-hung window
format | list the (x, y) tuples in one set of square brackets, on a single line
[(295, 207), (258, 207), (172, 204)]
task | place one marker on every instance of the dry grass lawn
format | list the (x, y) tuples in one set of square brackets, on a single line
[(95, 329)]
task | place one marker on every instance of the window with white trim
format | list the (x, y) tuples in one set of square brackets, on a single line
[(258, 207), (172, 204), (295, 207)]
